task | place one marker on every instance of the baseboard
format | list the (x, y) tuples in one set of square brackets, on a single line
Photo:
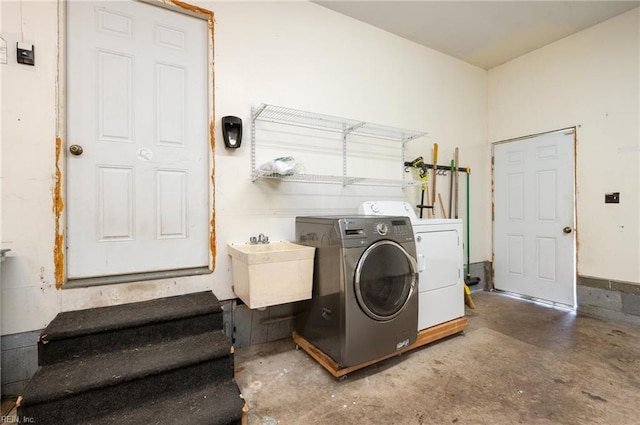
[(483, 270), (609, 299), (19, 361), (259, 326)]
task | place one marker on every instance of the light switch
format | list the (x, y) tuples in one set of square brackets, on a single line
[(26, 53), (612, 198)]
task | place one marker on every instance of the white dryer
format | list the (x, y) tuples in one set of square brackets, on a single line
[(439, 254)]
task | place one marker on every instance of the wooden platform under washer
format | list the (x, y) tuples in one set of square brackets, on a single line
[(425, 336)]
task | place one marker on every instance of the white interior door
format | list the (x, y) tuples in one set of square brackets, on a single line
[(138, 194), (534, 242)]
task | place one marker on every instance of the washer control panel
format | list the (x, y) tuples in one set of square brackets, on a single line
[(402, 227), (375, 227)]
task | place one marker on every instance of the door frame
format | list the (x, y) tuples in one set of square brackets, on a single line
[(575, 210), (59, 189)]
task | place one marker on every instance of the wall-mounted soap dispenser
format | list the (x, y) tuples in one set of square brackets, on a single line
[(232, 131)]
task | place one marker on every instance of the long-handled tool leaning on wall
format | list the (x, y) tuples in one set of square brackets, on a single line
[(468, 280), (423, 173), (453, 178), (435, 174)]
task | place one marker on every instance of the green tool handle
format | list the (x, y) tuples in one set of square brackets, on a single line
[(468, 227)]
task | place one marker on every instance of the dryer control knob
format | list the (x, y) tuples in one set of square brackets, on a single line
[(382, 229)]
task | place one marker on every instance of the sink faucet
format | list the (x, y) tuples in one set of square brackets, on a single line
[(259, 240)]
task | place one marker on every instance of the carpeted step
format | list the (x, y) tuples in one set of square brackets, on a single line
[(217, 404), (101, 330), (90, 387)]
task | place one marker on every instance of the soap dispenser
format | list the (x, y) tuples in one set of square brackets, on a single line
[(232, 131)]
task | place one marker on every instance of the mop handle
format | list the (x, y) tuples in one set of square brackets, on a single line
[(468, 227)]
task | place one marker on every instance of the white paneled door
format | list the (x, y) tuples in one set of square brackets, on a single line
[(534, 242), (137, 141)]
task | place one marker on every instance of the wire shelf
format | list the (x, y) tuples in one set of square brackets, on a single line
[(345, 181), (346, 127), (282, 115)]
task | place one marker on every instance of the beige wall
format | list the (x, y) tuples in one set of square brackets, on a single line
[(300, 55), (293, 54), (590, 80), (28, 133)]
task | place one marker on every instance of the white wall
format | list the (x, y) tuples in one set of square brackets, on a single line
[(293, 54), (29, 297), (590, 80)]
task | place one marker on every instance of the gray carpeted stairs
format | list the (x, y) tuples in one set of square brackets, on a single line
[(164, 361)]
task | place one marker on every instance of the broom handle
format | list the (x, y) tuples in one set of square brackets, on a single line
[(435, 173), (444, 213), (468, 227), (456, 182), (453, 177)]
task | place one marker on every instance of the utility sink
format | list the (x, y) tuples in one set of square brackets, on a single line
[(271, 274)]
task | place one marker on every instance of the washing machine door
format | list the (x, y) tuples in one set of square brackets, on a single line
[(385, 280)]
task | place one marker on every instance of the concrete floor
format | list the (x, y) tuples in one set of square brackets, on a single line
[(517, 362)]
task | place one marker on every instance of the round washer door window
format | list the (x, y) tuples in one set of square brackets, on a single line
[(385, 279)]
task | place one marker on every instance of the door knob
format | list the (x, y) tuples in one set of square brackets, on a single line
[(75, 150), (567, 229)]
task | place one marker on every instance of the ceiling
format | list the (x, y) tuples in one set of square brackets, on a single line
[(482, 33)]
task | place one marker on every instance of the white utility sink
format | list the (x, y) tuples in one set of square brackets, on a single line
[(271, 274)]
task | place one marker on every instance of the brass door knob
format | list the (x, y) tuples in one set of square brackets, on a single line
[(567, 229), (75, 150)]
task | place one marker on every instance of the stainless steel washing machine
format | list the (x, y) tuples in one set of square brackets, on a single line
[(364, 303)]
